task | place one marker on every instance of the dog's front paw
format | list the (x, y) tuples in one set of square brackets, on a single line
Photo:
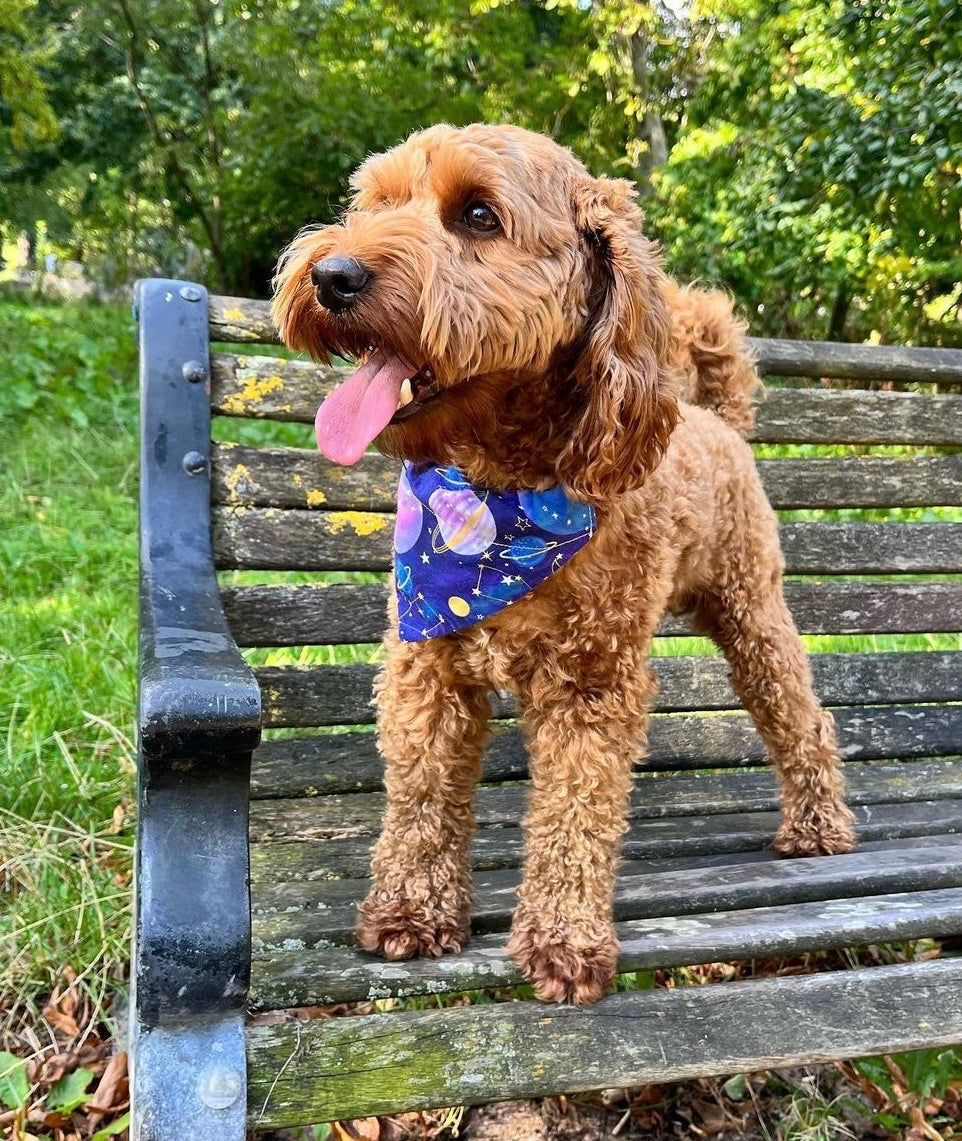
[(400, 929), (562, 971), (827, 832)]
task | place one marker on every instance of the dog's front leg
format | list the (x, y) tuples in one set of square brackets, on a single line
[(582, 743), (431, 729)]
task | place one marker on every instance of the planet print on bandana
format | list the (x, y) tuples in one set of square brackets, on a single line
[(462, 553)]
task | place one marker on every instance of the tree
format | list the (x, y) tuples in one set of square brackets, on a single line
[(25, 114), (818, 170)]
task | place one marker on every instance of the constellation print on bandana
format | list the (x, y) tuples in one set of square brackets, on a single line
[(462, 553)]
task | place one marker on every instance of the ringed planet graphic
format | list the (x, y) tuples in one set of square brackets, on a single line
[(466, 525)]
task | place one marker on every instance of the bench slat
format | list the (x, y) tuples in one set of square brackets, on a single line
[(416, 1059), (779, 357), (315, 913), (340, 695), (346, 613), (863, 481), (284, 861), (653, 797), (343, 974), (257, 538), (240, 319), (349, 762), (276, 389), (301, 478)]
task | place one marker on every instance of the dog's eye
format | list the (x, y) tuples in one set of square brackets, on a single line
[(480, 218)]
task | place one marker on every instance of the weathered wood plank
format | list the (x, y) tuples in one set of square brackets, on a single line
[(302, 478), (316, 913), (863, 481), (276, 389), (240, 319), (872, 548), (780, 357), (345, 613), (344, 974), (349, 762), (258, 538), (670, 837), (822, 416), (275, 539), (340, 695), (352, 1067), (306, 614), (653, 797)]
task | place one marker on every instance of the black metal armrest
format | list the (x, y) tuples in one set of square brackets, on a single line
[(198, 722), (197, 695)]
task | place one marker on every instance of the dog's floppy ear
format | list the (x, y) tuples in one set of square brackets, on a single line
[(622, 372)]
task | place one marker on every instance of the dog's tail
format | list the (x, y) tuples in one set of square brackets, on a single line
[(717, 369)]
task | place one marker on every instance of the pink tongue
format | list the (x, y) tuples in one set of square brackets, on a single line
[(360, 408)]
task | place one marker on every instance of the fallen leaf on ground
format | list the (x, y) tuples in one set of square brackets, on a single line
[(109, 1097)]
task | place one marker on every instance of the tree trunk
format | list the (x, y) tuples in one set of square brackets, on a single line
[(650, 129), (836, 324)]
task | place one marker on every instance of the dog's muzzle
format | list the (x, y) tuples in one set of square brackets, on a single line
[(340, 282)]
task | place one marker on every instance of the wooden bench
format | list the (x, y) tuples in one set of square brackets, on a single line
[(698, 882)]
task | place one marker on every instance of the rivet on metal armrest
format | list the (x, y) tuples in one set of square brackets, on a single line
[(195, 463), (219, 1087), (194, 371), (191, 293)]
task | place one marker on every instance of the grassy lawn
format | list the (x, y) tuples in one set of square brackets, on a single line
[(68, 573)]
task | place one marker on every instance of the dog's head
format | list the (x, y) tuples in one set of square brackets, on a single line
[(473, 267)]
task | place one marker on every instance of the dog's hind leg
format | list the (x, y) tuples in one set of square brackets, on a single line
[(431, 728), (770, 674), (582, 742)]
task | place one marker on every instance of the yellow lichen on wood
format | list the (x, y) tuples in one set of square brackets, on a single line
[(235, 477), (315, 498), (253, 392), (361, 522), (235, 315)]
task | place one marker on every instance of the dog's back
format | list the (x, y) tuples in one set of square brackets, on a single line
[(716, 367)]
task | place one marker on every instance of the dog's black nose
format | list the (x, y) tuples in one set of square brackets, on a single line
[(339, 282)]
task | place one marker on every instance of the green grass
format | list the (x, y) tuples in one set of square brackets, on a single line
[(68, 573)]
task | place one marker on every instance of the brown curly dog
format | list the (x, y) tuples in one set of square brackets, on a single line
[(515, 323)]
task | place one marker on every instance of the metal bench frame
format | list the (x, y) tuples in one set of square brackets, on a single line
[(198, 722)]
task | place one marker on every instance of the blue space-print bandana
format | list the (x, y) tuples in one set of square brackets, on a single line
[(462, 553)]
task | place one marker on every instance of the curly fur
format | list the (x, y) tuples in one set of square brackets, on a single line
[(562, 353)]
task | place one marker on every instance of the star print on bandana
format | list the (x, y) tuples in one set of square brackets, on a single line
[(462, 553)]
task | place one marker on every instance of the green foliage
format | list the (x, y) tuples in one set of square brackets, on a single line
[(69, 1092), (818, 173), (927, 1074), (111, 1130), (25, 114), (806, 157), (65, 363), (14, 1087)]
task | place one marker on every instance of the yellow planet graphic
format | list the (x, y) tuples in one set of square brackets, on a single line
[(458, 606)]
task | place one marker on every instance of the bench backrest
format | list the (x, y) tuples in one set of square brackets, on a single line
[(865, 492)]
